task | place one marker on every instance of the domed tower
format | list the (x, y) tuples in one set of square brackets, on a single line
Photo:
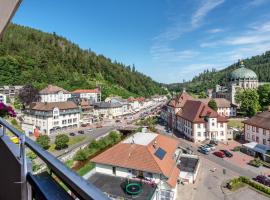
[(242, 78)]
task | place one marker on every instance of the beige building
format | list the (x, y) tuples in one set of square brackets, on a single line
[(225, 107), (257, 133), (47, 118)]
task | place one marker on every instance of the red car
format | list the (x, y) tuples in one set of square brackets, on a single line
[(219, 154)]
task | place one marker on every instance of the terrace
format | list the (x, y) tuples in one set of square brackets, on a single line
[(115, 187)]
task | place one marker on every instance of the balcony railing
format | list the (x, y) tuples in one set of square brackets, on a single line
[(18, 182)]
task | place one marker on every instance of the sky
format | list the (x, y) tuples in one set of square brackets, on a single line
[(169, 40)]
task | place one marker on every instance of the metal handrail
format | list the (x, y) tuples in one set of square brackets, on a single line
[(79, 186)]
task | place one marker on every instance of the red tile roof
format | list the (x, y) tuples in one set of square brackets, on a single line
[(195, 111), (261, 120), (86, 91), (141, 157), (221, 102), (180, 100)]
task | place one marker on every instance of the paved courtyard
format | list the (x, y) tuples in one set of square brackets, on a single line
[(208, 186)]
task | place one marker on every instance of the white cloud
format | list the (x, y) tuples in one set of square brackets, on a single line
[(215, 30), (256, 2), (200, 13)]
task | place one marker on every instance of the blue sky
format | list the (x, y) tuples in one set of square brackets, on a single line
[(169, 40)]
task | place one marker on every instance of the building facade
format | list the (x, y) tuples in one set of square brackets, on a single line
[(92, 95), (10, 91), (47, 118), (198, 122), (224, 107), (3, 98), (54, 94), (257, 129), (108, 110)]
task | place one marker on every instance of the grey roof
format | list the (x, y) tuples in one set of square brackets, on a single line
[(188, 164), (52, 89), (107, 105), (243, 73)]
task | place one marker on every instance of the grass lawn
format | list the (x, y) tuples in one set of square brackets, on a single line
[(235, 123), (86, 168), (72, 141), (238, 186)]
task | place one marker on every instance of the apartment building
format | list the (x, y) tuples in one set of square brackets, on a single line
[(47, 118), (257, 132), (3, 98), (54, 93), (93, 95), (148, 158), (10, 91), (108, 110), (225, 107), (198, 122)]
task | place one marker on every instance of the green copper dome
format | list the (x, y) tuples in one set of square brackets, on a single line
[(243, 73)]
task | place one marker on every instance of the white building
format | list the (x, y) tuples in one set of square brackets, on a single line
[(225, 107), (135, 104), (54, 94), (93, 95), (47, 118), (3, 98), (108, 110), (257, 132), (148, 157), (10, 90), (198, 122)]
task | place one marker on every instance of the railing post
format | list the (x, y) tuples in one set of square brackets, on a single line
[(24, 168)]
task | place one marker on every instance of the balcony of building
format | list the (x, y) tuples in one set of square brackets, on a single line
[(56, 182)]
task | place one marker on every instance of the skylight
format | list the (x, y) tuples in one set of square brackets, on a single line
[(160, 153)]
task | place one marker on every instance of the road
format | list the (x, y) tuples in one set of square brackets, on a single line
[(223, 163)]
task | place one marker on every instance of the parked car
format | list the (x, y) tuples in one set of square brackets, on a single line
[(212, 146), (263, 180), (72, 134), (81, 132), (215, 142), (227, 153), (206, 147), (219, 154), (203, 151)]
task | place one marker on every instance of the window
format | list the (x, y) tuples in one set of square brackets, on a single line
[(75, 120), (69, 121), (199, 125), (253, 128), (199, 134), (253, 137), (221, 133), (248, 136), (264, 132), (257, 129), (264, 141), (221, 125), (248, 127), (257, 139), (64, 121), (213, 124)]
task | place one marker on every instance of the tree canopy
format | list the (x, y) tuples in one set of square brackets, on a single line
[(249, 101), (264, 96), (31, 56), (213, 104)]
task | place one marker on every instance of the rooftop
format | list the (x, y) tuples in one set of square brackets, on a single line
[(221, 102), (52, 89), (261, 120), (243, 73), (86, 91), (44, 106), (180, 100), (188, 164), (141, 138), (196, 111), (107, 105), (114, 186), (143, 156)]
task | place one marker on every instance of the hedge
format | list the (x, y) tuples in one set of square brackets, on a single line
[(234, 182)]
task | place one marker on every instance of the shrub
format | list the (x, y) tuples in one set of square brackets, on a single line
[(31, 155), (44, 141), (14, 122), (81, 155), (94, 144), (255, 163), (236, 148), (61, 141)]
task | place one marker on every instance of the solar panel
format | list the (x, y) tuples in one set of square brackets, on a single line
[(160, 153)]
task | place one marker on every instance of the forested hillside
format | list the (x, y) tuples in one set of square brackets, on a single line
[(31, 56), (208, 79)]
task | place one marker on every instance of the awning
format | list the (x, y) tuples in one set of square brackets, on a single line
[(256, 147)]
